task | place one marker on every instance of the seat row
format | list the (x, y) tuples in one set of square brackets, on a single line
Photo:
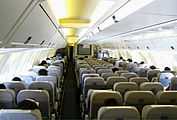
[(42, 89), (149, 112), (99, 98)]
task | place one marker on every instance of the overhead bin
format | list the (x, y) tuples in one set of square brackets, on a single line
[(157, 13), (38, 28), (9, 13)]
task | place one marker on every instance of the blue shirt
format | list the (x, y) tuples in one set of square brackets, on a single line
[(165, 79)]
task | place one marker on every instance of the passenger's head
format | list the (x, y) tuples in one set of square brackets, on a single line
[(2, 86), (152, 67), (142, 62), (110, 102), (115, 69), (167, 69), (43, 72), (121, 58), (129, 60), (28, 104), (16, 79), (43, 63)]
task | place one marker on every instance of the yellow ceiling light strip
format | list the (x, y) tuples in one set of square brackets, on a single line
[(72, 40), (75, 8), (74, 22), (71, 32)]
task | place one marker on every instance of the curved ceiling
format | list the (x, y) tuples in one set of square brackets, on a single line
[(74, 15)]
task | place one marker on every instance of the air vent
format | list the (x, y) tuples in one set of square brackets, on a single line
[(28, 40), (42, 42), (114, 18), (49, 43), (172, 47), (99, 29)]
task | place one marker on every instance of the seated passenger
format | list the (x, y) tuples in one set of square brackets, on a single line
[(16, 79), (43, 72), (165, 77), (2, 86), (152, 67), (43, 63), (167, 69), (131, 66), (28, 104), (115, 69)]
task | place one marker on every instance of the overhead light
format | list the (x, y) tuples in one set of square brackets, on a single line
[(58, 8), (131, 7)]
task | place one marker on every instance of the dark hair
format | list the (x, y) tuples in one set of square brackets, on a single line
[(152, 67), (2, 86), (115, 69), (142, 62), (42, 72), (121, 58), (28, 104), (47, 58), (110, 102), (129, 60), (43, 63), (16, 79), (167, 68)]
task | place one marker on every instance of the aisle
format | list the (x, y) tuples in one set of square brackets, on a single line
[(70, 109)]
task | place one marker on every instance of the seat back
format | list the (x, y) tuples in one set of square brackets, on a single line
[(159, 112), (139, 99), (93, 83), (15, 85), (44, 85), (40, 96), (112, 80), (14, 114), (29, 77), (37, 68), (151, 86), (152, 73), (118, 113), (123, 87), (86, 71), (129, 75), (7, 99), (121, 71), (100, 71), (99, 98), (173, 85), (142, 72), (139, 80), (167, 97), (48, 78), (106, 75), (88, 75)]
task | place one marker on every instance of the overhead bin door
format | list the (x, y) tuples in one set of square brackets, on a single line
[(10, 11), (37, 27)]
